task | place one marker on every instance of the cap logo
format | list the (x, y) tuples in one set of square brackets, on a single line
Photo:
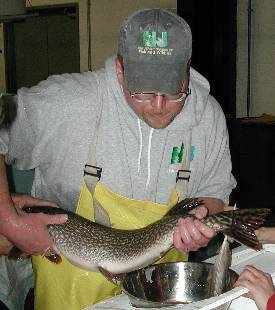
[(150, 38), (153, 43)]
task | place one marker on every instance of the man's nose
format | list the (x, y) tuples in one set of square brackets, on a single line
[(158, 102)]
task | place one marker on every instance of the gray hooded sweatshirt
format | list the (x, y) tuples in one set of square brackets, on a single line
[(55, 124)]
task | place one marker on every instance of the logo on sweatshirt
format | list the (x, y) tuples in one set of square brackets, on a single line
[(177, 154)]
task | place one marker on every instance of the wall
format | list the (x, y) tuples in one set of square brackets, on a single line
[(83, 33), (262, 58), (106, 18)]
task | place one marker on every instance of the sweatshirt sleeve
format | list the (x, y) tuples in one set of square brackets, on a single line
[(47, 114), (17, 141), (217, 180)]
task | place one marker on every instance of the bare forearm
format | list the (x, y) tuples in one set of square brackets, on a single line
[(266, 234), (6, 205), (213, 205), (28, 232)]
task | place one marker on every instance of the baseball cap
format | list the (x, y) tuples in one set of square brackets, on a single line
[(156, 46)]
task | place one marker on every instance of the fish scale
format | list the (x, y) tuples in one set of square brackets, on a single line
[(104, 242)]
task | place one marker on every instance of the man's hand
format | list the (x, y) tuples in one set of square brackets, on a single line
[(28, 232), (190, 234), (259, 283)]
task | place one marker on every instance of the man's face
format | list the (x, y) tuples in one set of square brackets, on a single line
[(157, 113)]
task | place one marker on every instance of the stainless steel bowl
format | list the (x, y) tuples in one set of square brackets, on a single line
[(168, 284)]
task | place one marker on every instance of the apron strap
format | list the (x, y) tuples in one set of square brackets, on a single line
[(183, 174), (92, 173)]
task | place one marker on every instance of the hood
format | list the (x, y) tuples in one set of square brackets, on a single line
[(192, 111), (194, 107)]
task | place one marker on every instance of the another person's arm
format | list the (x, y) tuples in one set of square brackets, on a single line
[(266, 234), (260, 285), (26, 231)]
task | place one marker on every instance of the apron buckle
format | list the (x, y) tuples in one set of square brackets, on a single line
[(183, 175), (93, 171)]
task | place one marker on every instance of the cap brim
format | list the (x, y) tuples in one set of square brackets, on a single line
[(155, 78)]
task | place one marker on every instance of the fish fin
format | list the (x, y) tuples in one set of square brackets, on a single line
[(244, 224), (219, 272), (54, 258), (16, 253), (184, 206), (101, 215), (114, 278)]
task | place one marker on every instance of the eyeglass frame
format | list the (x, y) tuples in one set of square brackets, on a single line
[(184, 95)]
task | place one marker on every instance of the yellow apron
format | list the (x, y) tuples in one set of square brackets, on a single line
[(65, 286)]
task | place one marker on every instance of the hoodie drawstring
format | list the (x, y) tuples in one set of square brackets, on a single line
[(140, 145), (148, 154), (149, 157)]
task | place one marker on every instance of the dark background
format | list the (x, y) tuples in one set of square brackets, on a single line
[(213, 25), (252, 145)]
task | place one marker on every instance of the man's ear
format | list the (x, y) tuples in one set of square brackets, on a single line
[(119, 70)]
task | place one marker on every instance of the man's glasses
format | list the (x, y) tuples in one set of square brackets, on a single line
[(150, 97)]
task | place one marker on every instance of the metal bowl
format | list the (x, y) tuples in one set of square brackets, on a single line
[(168, 284)]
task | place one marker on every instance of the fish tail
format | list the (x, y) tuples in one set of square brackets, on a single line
[(240, 224)]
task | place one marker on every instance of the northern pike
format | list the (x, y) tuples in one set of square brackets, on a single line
[(112, 251)]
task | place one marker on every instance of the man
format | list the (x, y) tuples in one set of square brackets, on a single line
[(152, 134)]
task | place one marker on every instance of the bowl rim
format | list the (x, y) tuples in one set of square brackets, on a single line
[(140, 302)]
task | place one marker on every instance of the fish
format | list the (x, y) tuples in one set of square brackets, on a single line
[(115, 252), (8, 110)]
